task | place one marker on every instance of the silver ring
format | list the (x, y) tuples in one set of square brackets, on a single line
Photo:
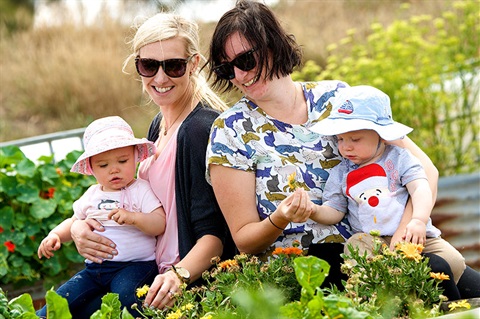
[(171, 292)]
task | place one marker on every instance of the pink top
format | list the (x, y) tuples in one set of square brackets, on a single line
[(160, 173)]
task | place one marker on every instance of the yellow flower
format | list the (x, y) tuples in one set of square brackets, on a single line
[(142, 291), (439, 276), (459, 304), (207, 317), (188, 306), (175, 315), (410, 251), (292, 183)]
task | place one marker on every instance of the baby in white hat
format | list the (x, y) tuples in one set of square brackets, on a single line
[(131, 215), (375, 179)]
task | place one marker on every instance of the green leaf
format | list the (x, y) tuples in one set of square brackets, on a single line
[(26, 168), (43, 208), (311, 272), (126, 314), (22, 303), (110, 307), (8, 185), (49, 174), (28, 193), (72, 254), (316, 304), (46, 159), (57, 306), (25, 250), (10, 154), (6, 217), (3, 264)]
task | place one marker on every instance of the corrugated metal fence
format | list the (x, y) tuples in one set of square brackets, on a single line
[(457, 214)]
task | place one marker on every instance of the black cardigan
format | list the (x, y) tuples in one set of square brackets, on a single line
[(197, 209)]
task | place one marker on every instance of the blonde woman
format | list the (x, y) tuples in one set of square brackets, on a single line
[(166, 53)]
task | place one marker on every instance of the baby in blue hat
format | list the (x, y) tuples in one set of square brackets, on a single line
[(375, 179)]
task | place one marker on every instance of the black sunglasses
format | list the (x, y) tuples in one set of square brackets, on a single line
[(174, 68), (245, 62)]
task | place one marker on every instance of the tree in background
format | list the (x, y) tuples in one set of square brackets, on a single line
[(429, 68)]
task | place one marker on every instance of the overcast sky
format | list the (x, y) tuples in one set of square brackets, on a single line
[(87, 10)]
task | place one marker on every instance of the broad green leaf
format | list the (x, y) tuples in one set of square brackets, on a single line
[(10, 154), (43, 208), (8, 185), (3, 265), (26, 168), (110, 307), (22, 303), (28, 193), (126, 314), (57, 306), (6, 217), (311, 272), (49, 174)]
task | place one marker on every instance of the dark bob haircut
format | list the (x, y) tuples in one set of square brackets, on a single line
[(259, 26)]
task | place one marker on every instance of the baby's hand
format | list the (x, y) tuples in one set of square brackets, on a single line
[(48, 245), (416, 232), (122, 216)]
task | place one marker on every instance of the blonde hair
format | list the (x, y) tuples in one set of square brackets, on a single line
[(164, 26)]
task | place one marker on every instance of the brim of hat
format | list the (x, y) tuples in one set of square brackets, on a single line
[(144, 149), (389, 132)]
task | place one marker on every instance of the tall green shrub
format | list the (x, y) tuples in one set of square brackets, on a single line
[(429, 68), (34, 198)]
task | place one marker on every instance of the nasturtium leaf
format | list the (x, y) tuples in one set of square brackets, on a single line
[(43, 208)]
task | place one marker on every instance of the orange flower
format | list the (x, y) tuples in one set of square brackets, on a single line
[(439, 276), (1, 229), (410, 250), (278, 251), (228, 264), (287, 251), (59, 171), (10, 246)]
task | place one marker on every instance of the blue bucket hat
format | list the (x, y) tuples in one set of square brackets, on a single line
[(362, 107)]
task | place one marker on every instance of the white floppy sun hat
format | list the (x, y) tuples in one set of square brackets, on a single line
[(362, 107), (106, 134)]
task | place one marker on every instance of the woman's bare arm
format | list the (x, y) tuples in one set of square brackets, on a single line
[(238, 204)]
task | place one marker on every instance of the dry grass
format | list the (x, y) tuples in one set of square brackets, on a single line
[(60, 78)]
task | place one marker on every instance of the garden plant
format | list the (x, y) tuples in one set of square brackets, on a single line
[(389, 284), (33, 199)]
